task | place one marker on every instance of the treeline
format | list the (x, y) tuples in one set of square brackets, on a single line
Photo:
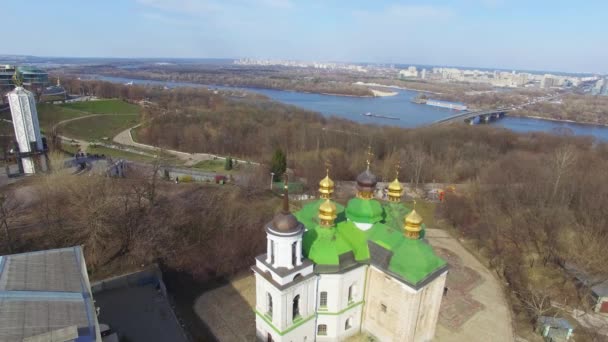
[(280, 79), (205, 231), (580, 108), (254, 129), (535, 214)]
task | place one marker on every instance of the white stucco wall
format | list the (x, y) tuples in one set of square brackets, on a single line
[(282, 309), (411, 315), (281, 248)]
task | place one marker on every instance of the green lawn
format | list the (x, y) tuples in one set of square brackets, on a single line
[(104, 107), (50, 114), (211, 166), (98, 127)]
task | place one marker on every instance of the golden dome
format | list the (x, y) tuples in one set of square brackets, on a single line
[(395, 190), (327, 213), (413, 225), (326, 187)]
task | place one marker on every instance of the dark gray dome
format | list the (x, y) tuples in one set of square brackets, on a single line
[(366, 181), (285, 223)]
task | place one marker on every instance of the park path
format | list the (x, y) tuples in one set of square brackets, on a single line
[(125, 138), (493, 322), (83, 143)]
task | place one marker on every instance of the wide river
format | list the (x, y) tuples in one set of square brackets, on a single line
[(400, 106)]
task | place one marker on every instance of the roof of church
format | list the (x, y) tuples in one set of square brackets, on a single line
[(383, 245)]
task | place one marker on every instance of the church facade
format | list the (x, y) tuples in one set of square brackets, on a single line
[(331, 272)]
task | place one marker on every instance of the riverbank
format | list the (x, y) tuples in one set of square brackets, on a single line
[(395, 87), (379, 93), (346, 88), (559, 120)]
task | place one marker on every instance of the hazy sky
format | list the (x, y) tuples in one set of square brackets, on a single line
[(519, 34)]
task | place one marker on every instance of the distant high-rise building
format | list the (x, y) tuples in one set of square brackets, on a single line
[(547, 82), (411, 72), (423, 74)]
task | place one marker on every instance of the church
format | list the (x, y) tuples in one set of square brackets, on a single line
[(331, 272)]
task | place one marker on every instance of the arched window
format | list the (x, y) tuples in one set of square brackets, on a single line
[(323, 300), (348, 323), (294, 256), (269, 305), (296, 307), (271, 251), (322, 330), (352, 291)]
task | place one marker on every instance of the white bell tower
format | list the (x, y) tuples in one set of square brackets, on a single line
[(285, 282)]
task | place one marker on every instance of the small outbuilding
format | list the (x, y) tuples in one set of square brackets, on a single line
[(600, 295), (554, 329)]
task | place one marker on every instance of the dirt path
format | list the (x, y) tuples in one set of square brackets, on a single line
[(491, 317)]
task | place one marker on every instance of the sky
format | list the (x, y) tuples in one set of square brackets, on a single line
[(554, 35)]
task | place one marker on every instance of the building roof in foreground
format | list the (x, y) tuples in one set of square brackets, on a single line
[(46, 292), (384, 245)]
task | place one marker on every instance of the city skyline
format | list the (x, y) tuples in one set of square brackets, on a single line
[(555, 36)]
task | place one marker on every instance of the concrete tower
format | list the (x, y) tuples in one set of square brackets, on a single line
[(27, 128)]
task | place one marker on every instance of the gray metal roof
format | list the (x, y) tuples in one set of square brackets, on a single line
[(42, 292), (555, 322)]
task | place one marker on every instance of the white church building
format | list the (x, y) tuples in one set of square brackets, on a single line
[(331, 272)]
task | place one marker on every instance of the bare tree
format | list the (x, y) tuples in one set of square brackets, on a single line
[(8, 212)]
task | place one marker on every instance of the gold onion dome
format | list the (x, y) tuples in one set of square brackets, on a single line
[(413, 225), (327, 213), (395, 190), (326, 187)]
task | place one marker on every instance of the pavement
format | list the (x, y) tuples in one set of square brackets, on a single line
[(125, 138), (475, 308)]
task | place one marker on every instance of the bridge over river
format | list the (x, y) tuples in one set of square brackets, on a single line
[(472, 118)]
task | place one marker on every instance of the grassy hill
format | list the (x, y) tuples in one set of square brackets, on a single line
[(103, 107), (110, 117), (98, 127)]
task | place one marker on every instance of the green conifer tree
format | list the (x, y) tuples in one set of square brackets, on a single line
[(278, 165), (228, 164)]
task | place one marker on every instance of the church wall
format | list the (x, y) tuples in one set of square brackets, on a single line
[(339, 309), (430, 303), (391, 307), (282, 301), (305, 332)]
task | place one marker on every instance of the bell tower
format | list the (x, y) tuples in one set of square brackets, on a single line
[(285, 282)]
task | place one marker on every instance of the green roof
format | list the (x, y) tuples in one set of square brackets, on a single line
[(364, 210), (412, 260), (325, 245)]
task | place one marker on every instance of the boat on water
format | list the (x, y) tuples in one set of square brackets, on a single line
[(380, 116)]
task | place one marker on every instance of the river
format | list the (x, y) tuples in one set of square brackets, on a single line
[(400, 106)]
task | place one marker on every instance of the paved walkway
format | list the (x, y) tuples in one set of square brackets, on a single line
[(125, 138), (483, 296)]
